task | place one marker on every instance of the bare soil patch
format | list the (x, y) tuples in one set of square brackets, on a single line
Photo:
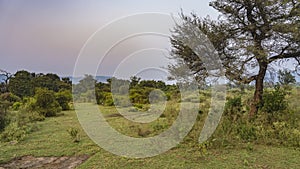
[(31, 162)]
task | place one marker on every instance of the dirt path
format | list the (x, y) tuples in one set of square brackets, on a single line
[(31, 162)]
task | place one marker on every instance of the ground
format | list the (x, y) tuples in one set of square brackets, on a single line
[(52, 146), (28, 162)]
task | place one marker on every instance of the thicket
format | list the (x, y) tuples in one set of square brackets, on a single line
[(30, 98)]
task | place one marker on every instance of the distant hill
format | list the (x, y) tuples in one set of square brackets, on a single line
[(102, 79)]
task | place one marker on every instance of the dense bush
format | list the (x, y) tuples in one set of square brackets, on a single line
[(2, 120), (64, 97), (6, 100), (233, 108), (276, 123), (13, 132), (46, 103), (274, 103), (20, 123)]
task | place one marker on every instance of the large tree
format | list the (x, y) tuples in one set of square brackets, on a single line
[(250, 36), (21, 84)]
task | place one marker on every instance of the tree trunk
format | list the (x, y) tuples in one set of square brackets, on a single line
[(259, 89)]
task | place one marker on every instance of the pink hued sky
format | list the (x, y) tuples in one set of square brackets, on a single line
[(47, 35)]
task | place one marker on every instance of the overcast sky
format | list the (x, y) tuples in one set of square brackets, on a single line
[(47, 35)]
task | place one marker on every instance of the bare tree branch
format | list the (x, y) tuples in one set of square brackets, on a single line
[(284, 56)]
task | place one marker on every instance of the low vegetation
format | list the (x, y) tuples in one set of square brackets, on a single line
[(42, 124)]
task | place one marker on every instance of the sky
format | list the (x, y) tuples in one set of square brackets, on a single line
[(48, 35)]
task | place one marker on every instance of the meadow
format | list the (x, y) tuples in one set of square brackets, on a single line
[(51, 138), (41, 129)]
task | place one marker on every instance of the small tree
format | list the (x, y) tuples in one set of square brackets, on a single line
[(64, 97), (46, 103)]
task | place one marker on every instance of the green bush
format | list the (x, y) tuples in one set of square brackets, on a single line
[(2, 120), (274, 101), (275, 106), (29, 116), (13, 132), (233, 109), (64, 98), (46, 103), (9, 97), (247, 132), (16, 106), (121, 101), (74, 133)]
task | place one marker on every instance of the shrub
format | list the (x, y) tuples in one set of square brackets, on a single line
[(2, 120), (9, 97), (247, 132), (27, 116), (13, 132), (64, 98), (274, 103), (16, 106), (121, 101), (46, 103), (233, 108), (74, 133)]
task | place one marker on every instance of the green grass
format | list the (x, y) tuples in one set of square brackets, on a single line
[(52, 139)]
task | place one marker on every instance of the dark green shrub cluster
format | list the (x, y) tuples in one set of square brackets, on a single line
[(29, 98), (276, 123), (274, 102), (136, 90), (13, 132), (19, 124), (46, 103), (233, 109), (64, 97)]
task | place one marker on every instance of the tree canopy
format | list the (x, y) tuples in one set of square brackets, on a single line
[(250, 37)]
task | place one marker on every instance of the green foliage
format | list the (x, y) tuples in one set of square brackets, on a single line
[(104, 98), (24, 83), (246, 33), (85, 84), (9, 97), (286, 78), (274, 102), (25, 116), (6, 101), (139, 95), (74, 133), (16, 106), (204, 147), (64, 97), (13, 132), (233, 108), (122, 101), (46, 103), (277, 124), (247, 132), (48, 81), (2, 120), (21, 84), (139, 92)]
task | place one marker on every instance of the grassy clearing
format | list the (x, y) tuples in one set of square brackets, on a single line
[(52, 139)]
